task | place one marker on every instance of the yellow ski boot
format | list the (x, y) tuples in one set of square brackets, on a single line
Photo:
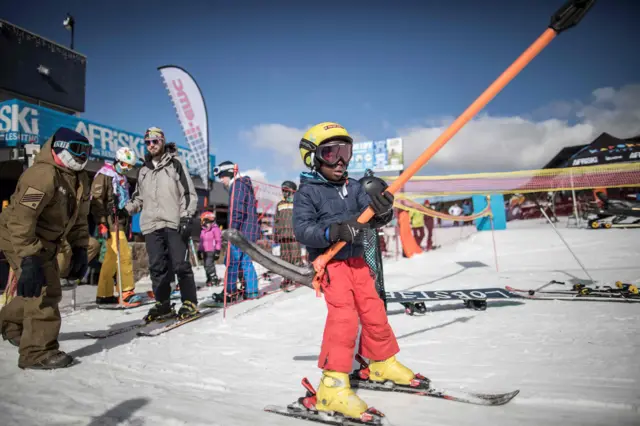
[(390, 369), (389, 374), (335, 395)]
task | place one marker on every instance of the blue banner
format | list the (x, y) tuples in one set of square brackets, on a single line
[(27, 123), (379, 156)]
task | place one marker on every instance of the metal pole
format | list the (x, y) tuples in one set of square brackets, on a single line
[(73, 294), (493, 234), (575, 202), (567, 245)]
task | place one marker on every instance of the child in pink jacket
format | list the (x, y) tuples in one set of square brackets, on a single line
[(210, 243)]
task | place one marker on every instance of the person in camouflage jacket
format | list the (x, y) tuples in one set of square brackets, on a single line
[(50, 204)]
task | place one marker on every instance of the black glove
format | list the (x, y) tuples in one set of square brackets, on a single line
[(382, 204), (31, 278), (349, 231), (185, 227), (216, 255), (79, 263)]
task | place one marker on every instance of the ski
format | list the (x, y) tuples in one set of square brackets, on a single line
[(176, 323), (121, 330), (305, 408), (448, 394), (147, 298), (421, 386), (568, 295), (293, 410), (236, 298), (118, 307)]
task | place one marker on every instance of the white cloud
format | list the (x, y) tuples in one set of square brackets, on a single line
[(493, 143), (488, 143), (283, 141), (256, 174)]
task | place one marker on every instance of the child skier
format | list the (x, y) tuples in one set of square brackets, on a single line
[(210, 243), (325, 211), (109, 191)]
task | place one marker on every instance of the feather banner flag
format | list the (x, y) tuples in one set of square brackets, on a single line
[(191, 110)]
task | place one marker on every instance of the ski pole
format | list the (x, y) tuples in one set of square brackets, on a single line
[(117, 237), (566, 17), (73, 294), (567, 245)]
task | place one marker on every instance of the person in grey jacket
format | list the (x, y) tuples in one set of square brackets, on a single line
[(167, 198)]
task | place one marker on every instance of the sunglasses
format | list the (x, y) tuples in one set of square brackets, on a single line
[(332, 153), (148, 142)]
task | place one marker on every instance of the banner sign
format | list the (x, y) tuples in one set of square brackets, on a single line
[(192, 115), (606, 149), (379, 156), (22, 123)]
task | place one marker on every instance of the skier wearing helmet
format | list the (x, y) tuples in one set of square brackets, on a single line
[(325, 211), (243, 216), (50, 204), (283, 229), (109, 196), (167, 199)]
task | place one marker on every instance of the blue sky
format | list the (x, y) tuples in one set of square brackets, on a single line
[(270, 69)]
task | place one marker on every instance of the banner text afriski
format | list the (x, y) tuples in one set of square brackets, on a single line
[(27, 123)]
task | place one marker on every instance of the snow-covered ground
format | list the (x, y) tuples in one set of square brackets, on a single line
[(575, 363)]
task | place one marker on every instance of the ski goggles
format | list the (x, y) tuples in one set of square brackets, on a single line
[(221, 169), (332, 152), (125, 167), (79, 149)]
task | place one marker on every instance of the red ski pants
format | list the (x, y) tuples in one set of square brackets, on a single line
[(350, 293)]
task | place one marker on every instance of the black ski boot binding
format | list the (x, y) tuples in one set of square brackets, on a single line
[(415, 308), (476, 305), (160, 311), (187, 310)]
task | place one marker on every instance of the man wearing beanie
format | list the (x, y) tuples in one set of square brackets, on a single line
[(167, 200), (50, 204)]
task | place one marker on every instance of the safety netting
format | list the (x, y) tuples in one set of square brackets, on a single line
[(524, 181)]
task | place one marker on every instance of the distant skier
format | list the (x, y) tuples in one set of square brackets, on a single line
[(109, 191), (243, 216), (167, 198), (210, 244), (290, 250), (417, 226), (50, 203), (428, 223), (325, 211)]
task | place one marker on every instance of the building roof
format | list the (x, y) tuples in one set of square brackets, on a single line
[(563, 155)]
